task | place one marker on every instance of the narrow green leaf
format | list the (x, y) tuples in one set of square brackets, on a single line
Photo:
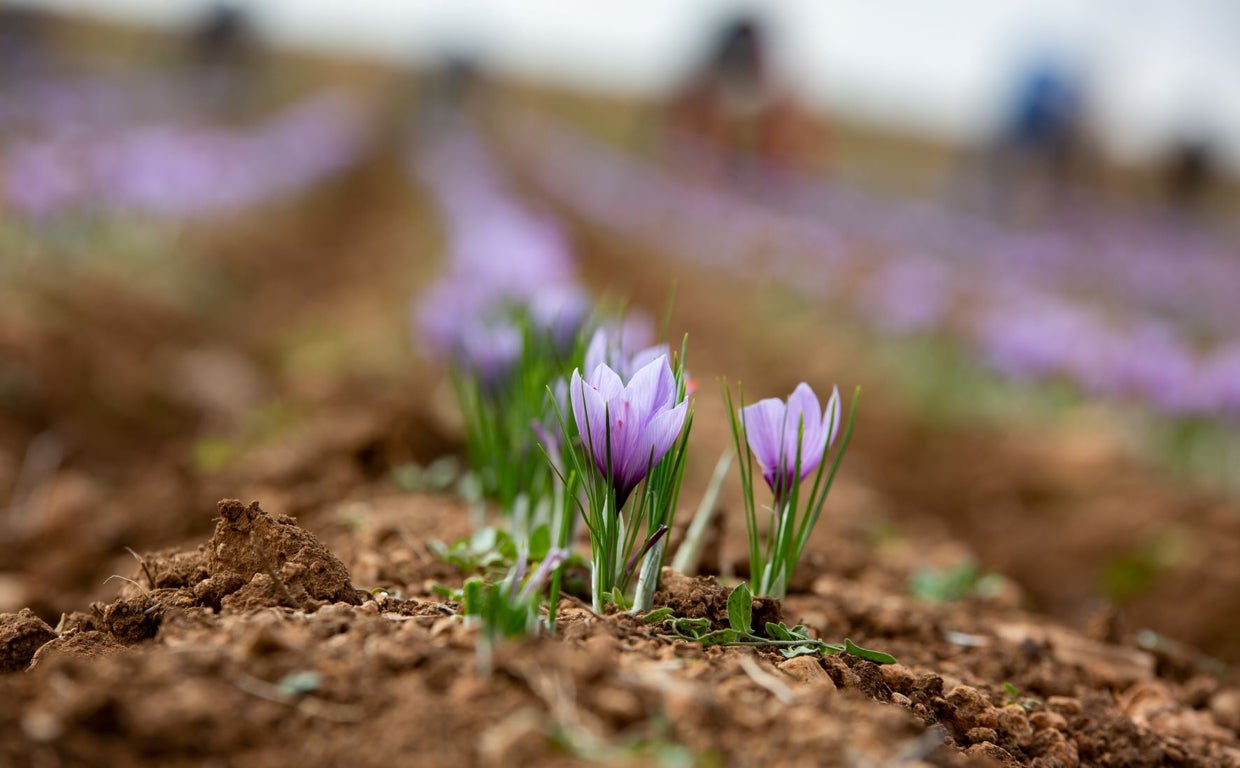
[(878, 657), (778, 631), (793, 651), (540, 542), (690, 628), (720, 636), (473, 600), (740, 608), (657, 615)]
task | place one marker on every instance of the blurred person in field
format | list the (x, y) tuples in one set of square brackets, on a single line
[(1188, 178), (23, 42), (1038, 159), (226, 54), (731, 116)]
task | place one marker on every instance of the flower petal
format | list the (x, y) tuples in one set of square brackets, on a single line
[(643, 357), (803, 426), (651, 388), (832, 414), (764, 426), (607, 382), (596, 352), (661, 433)]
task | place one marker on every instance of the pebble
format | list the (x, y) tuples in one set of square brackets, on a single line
[(979, 735), (41, 726), (1015, 723), (808, 670), (1064, 705), (1043, 720), (987, 753), (972, 708), (897, 677), (1225, 708), (619, 705)]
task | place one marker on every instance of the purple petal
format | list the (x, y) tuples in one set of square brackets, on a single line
[(764, 425), (607, 382), (643, 357), (833, 413), (651, 388), (596, 352), (662, 431), (803, 426)]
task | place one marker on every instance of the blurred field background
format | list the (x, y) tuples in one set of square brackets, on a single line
[(1013, 223)]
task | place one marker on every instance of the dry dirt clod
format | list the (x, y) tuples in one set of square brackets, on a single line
[(277, 562), (21, 635), (703, 597), (90, 644)]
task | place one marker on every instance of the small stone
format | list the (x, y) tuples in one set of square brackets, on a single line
[(897, 677), (1225, 708), (808, 670), (1064, 705), (1043, 720), (980, 735), (930, 684), (988, 754), (620, 706), (900, 699), (1015, 723), (21, 635), (972, 708), (41, 726)]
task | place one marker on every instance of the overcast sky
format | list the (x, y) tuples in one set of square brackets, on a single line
[(1155, 68)]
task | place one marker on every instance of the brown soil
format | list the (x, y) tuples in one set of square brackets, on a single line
[(273, 364)]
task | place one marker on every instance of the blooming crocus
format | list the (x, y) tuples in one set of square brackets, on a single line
[(779, 431), (627, 429)]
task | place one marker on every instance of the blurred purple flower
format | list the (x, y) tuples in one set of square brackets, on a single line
[(489, 353), (169, 169), (560, 312), (776, 430), (627, 429)]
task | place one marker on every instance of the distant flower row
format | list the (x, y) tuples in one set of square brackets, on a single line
[(178, 170), (1122, 308), (39, 103)]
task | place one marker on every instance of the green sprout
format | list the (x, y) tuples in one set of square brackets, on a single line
[(964, 580), (789, 641), (510, 608)]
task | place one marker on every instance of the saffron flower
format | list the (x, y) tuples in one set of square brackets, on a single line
[(789, 439), (627, 429), (781, 433)]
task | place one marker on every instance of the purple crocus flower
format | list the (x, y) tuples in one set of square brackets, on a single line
[(627, 429), (774, 428)]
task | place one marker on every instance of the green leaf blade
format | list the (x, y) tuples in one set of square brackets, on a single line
[(740, 608), (878, 657)]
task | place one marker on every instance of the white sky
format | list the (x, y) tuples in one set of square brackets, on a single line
[(1155, 67)]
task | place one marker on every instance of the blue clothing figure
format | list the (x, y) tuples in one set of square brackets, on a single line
[(1040, 145)]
